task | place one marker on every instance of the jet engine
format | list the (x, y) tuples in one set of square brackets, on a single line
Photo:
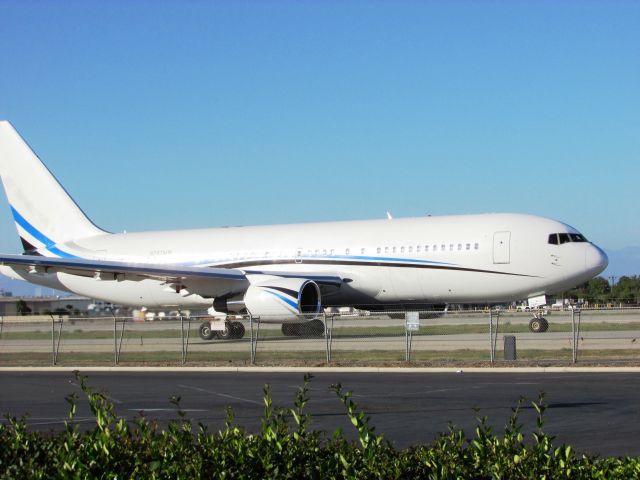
[(276, 297)]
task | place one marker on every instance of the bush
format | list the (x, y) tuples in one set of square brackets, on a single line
[(285, 447)]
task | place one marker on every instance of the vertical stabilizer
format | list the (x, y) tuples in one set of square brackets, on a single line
[(44, 213)]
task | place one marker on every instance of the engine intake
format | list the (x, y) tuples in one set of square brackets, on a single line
[(281, 298)]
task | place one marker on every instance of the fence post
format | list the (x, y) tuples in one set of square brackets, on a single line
[(55, 345), (575, 333), (184, 353), (328, 336), (493, 334), (254, 338), (117, 346)]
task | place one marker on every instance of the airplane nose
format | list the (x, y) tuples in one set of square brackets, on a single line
[(595, 259)]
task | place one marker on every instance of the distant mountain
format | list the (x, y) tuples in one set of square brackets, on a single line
[(623, 262)]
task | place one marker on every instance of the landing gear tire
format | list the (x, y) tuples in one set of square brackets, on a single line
[(205, 331), (545, 324), (538, 325), (227, 333), (312, 329), (232, 330), (291, 329), (238, 329)]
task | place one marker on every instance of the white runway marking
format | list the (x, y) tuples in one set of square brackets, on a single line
[(108, 397), (33, 422), (198, 389), (174, 410)]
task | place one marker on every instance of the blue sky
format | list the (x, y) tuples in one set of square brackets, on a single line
[(169, 115)]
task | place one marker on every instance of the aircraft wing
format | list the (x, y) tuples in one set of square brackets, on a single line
[(202, 280), (322, 279)]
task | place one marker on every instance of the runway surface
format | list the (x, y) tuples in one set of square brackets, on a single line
[(594, 412)]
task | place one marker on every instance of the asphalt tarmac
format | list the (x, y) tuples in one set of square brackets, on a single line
[(598, 413)]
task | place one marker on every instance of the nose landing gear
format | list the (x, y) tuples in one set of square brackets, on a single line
[(538, 324)]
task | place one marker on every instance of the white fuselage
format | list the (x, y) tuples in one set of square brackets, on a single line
[(447, 259)]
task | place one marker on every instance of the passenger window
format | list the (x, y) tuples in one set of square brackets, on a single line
[(410, 249), (386, 249), (426, 248), (459, 246), (332, 251), (553, 239), (362, 251), (476, 246), (443, 247), (564, 238), (394, 250), (468, 246), (401, 249), (347, 251), (379, 250), (418, 249), (451, 247)]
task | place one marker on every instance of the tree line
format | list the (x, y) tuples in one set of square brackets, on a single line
[(600, 291)]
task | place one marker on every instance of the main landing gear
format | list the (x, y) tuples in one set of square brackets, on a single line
[(311, 329), (538, 324), (232, 330)]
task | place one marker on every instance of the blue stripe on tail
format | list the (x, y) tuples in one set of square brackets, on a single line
[(35, 233)]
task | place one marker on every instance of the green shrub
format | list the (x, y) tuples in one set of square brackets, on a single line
[(286, 447)]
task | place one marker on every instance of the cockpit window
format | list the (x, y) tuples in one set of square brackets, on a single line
[(560, 238)]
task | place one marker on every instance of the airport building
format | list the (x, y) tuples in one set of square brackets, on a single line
[(73, 304)]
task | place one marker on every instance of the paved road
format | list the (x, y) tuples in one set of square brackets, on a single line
[(597, 413)]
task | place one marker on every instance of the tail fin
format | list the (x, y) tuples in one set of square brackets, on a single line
[(44, 213)]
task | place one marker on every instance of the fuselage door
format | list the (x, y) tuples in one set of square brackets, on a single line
[(501, 247)]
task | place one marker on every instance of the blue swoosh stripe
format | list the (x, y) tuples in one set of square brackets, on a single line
[(288, 301), (20, 220), (41, 237), (380, 259), (257, 260), (60, 253)]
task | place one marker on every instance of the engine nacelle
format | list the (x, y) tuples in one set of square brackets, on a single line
[(283, 298)]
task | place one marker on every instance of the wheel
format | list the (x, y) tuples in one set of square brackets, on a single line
[(312, 329), (545, 324), (290, 329), (227, 333), (205, 331), (237, 329), (538, 325)]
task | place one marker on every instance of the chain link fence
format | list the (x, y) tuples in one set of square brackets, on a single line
[(594, 336)]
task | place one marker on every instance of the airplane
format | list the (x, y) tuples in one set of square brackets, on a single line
[(290, 272)]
